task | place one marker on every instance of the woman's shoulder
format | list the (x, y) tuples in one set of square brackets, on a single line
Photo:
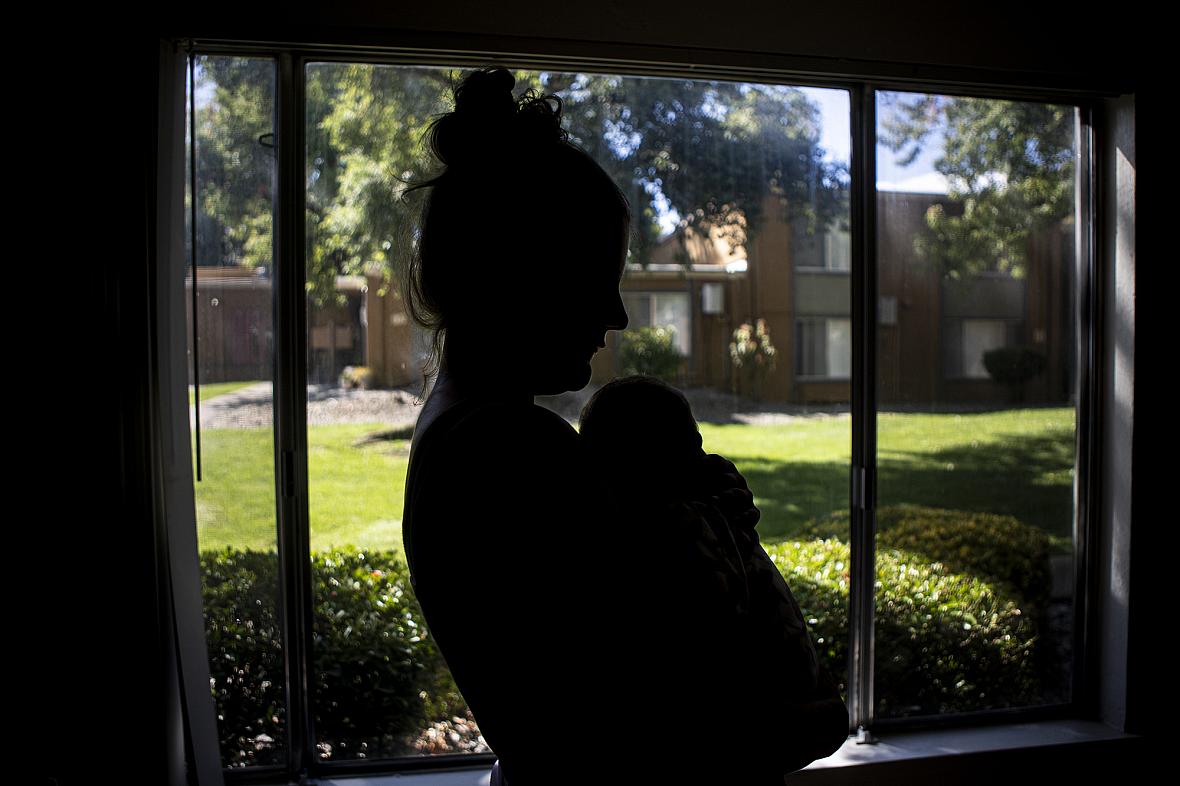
[(487, 446), (507, 426)]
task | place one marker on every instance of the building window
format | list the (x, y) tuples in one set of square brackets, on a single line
[(830, 249), (935, 470), (981, 336), (838, 250), (824, 348), (662, 309)]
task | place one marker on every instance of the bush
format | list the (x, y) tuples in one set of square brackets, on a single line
[(378, 682), (356, 377), (996, 548), (753, 354), (945, 642), (651, 352), (1013, 366)]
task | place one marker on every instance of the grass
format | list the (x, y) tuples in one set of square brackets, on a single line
[(355, 490), (214, 389), (1017, 462)]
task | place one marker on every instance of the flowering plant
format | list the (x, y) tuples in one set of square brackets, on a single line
[(752, 353)]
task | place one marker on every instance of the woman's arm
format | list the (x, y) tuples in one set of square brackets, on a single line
[(721, 483)]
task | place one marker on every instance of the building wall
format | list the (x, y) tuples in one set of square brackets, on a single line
[(388, 336), (234, 324), (917, 328)]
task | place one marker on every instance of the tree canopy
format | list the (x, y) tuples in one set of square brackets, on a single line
[(697, 154), (1009, 164)]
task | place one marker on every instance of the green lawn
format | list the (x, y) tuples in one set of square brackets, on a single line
[(215, 389), (1017, 462)]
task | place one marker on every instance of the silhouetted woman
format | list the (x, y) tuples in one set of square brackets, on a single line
[(540, 615)]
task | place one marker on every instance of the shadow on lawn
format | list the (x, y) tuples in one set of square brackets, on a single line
[(1007, 478)]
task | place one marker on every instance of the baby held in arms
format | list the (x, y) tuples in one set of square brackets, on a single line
[(641, 435)]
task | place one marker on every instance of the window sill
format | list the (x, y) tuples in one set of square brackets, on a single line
[(826, 271), (937, 753)]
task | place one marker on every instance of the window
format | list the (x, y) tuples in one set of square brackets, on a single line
[(948, 467), (825, 348), (661, 309), (829, 250), (982, 488), (838, 250), (979, 337)]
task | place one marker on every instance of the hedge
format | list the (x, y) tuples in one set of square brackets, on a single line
[(945, 642), (1000, 549), (379, 680)]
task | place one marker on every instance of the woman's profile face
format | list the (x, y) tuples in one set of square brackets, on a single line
[(578, 303)]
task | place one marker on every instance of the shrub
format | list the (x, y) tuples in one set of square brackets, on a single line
[(753, 354), (378, 679), (651, 352), (996, 548), (243, 636), (1013, 366), (945, 642), (356, 377)]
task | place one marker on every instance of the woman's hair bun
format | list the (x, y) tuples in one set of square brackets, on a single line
[(487, 92), (489, 125)]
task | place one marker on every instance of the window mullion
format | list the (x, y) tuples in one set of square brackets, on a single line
[(290, 396), (862, 490), (1088, 372)]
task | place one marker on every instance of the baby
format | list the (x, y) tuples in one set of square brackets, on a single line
[(643, 432)]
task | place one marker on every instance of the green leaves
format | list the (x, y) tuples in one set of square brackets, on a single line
[(1010, 165), (650, 351), (378, 678)]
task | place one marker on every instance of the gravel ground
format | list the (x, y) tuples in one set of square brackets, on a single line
[(251, 407)]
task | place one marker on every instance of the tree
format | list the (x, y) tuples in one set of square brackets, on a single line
[(365, 148), (712, 150), (235, 161), (706, 152), (1010, 164)]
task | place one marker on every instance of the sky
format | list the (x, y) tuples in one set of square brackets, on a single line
[(835, 138)]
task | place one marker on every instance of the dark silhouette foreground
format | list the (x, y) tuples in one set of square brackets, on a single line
[(565, 623)]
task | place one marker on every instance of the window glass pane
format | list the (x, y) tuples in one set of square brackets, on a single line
[(719, 176), (838, 250), (638, 310), (839, 348), (976, 217), (980, 336), (231, 335), (670, 309)]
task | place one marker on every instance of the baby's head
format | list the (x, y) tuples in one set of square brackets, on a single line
[(642, 432)]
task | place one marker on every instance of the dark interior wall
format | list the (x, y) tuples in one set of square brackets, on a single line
[(1053, 38), (97, 659)]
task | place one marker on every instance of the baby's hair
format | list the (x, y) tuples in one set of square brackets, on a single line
[(643, 428), (613, 401), (508, 164)]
